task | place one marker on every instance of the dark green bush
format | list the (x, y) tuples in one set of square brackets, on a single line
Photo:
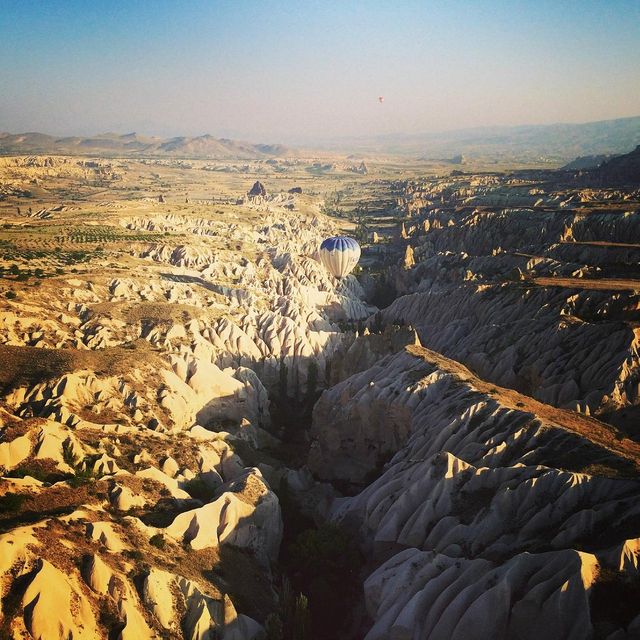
[(198, 489), (158, 541)]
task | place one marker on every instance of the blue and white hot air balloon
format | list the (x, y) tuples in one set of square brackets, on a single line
[(339, 255)]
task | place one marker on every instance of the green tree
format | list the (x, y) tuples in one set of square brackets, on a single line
[(312, 382), (283, 375)]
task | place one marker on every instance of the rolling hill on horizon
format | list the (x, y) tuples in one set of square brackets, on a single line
[(133, 144), (557, 143)]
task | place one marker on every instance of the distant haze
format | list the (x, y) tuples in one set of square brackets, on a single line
[(306, 72)]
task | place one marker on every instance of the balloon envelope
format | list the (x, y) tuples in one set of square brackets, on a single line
[(339, 255)]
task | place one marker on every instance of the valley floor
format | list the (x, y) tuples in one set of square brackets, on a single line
[(205, 435)]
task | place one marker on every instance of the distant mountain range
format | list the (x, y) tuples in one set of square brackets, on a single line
[(133, 145), (555, 142)]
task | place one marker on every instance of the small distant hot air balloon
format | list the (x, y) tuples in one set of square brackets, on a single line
[(339, 255), (380, 99)]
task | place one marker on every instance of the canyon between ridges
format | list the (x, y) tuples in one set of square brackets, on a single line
[(205, 435)]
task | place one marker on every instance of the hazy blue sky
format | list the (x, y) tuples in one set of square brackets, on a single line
[(297, 71)]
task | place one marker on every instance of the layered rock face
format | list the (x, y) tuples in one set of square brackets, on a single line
[(160, 354), (107, 527), (366, 418), (488, 497), (539, 300), (134, 392), (491, 466), (571, 348)]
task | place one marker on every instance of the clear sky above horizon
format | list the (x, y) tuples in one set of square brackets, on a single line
[(304, 71)]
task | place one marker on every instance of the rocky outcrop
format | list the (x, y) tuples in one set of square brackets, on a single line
[(470, 479), (155, 344), (114, 545), (427, 595), (128, 389), (572, 348), (246, 515), (624, 169), (422, 403), (257, 190)]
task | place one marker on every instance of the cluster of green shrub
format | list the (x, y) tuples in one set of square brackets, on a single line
[(292, 620), (14, 272), (100, 234), (321, 566), (57, 256)]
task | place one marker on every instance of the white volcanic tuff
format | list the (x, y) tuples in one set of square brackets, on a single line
[(55, 442), (174, 222), (12, 453), (106, 535), (262, 340), (297, 329), (407, 406), (194, 387), (57, 607), (180, 256), (456, 245), (624, 557), (303, 270), (442, 504), (305, 281), (22, 329), (294, 330), (499, 196), (205, 616), (493, 190), (102, 579), (601, 255), (559, 354), (456, 267), (287, 232), (197, 391), (419, 594), (249, 518), (359, 352), (123, 499), (63, 399), (617, 227), (47, 440), (482, 232), (246, 514), (49, 593), (457, 486), (99, 330), (290, 234)]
